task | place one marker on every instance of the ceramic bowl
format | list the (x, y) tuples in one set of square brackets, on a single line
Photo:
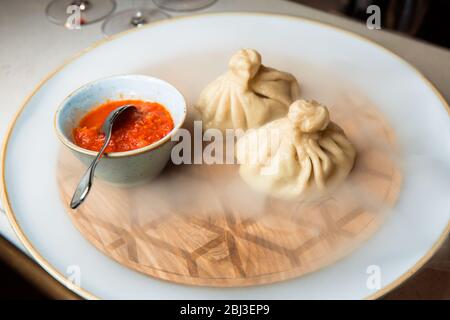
[(130, 167)]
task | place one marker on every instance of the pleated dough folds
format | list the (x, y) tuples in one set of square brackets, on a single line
[(248, 95), (303, 154)]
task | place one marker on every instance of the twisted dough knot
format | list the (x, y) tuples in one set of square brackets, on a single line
[(245, 63), (309, 116)]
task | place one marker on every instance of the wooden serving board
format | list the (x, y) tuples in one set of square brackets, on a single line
[(202, 225)]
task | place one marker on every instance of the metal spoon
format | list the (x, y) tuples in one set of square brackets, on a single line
[(84, 186)]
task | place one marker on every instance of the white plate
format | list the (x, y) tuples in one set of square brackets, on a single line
[(189, 52)]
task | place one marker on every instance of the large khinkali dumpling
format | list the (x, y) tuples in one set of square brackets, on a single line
[(299, 155), (247, 95)]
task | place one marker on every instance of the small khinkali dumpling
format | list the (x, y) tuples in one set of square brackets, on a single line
[(247, 95), (303, 154)]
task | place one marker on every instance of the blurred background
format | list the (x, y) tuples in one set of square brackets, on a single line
[(425, 20)]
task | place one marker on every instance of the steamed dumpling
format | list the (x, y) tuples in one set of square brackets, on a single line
[(247, 95), (299, 155)]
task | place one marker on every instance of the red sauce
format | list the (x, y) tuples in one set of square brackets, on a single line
[(150, 123)]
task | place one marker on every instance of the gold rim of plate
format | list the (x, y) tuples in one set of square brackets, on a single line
[(86, 294)]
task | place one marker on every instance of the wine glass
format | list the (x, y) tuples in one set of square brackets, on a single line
[(183, 5), (91, 11), (135, 17)]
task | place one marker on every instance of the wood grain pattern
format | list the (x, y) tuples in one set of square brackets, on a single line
[(202, 225)]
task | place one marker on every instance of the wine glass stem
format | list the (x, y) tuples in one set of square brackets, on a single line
[(138, 20), (82, 4)]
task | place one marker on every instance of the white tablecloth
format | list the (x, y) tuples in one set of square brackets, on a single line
[(31, 47)]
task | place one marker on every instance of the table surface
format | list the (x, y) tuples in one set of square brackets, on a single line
[(23, 26)]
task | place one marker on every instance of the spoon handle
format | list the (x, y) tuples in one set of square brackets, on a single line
[(84, 186)]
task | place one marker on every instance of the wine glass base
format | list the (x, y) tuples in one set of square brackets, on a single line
[(91, 10), (183, 5), (130, 19)]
